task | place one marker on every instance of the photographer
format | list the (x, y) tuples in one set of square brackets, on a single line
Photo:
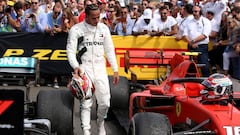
[(7, 17), (34, 20), (55, 20), (18, 7)]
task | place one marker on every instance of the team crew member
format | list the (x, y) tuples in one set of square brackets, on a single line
[(187, 16), (97, 39), (196, 34)]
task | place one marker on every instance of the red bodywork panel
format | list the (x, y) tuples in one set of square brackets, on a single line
[(182, 101), (4, 105), (141, 57)]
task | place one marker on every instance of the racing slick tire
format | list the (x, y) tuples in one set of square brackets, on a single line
[(57, 106), (149, 123), (119, 93)]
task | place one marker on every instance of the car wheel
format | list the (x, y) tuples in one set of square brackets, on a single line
[(149, 123), (57, 106), (119, 93)]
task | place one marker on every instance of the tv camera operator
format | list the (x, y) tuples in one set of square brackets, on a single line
[(7, 17)]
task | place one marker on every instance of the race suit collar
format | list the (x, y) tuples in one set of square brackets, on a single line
[(90, 28)]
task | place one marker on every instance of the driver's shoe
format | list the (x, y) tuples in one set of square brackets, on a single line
[(101, 128), (86, 132)]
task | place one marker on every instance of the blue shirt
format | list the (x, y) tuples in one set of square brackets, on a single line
[(31, 26), (53, 21), (129, 27)]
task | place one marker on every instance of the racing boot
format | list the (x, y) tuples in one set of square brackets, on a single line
[(85, 112), (101, 114), (86, 132), (101, 128)]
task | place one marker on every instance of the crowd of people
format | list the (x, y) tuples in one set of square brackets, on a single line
[(196, 21)]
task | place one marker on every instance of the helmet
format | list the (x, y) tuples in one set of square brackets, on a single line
[(219, 84), (81, 87)]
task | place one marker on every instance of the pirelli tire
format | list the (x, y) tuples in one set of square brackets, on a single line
[(119, 93), (149, 123), (57, 106)]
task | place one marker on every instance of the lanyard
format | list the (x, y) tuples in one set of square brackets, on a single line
[(56, 20)]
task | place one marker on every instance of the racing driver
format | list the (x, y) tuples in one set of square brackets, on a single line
[(95, 37)]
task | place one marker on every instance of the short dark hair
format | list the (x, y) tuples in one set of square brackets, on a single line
[(163, 7), (189, 8), (91, 7), (18, 5), (236, 9)]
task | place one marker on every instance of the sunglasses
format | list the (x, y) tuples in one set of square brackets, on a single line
[(195, 11), (56, 13), (35, 3), (135, 8), (110, 11), (163, 13), (124, 12), (149, 7)]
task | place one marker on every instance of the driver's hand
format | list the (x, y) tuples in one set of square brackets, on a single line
[(77, 72), (115, 78)]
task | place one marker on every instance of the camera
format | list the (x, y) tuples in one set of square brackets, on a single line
[(31, 16), (7, 9), (56, 26)]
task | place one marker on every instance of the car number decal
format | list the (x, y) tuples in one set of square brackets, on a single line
[(232, 130)]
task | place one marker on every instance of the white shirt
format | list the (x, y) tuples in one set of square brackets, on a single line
[(196, 28), (183, 24), (141, 25), (206, 7), (164, 26), (103, 15), (217, 7), (179, 18), (156, 13), (215, 25)]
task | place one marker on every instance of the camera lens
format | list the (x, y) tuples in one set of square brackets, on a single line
[(8, 9)]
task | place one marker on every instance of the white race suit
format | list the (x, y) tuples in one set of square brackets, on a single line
[(98, 41)]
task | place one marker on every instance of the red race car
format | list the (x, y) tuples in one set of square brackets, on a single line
[(184, 103)]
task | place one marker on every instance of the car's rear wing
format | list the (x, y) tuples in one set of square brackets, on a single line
[(155, 61), (17, 69)]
